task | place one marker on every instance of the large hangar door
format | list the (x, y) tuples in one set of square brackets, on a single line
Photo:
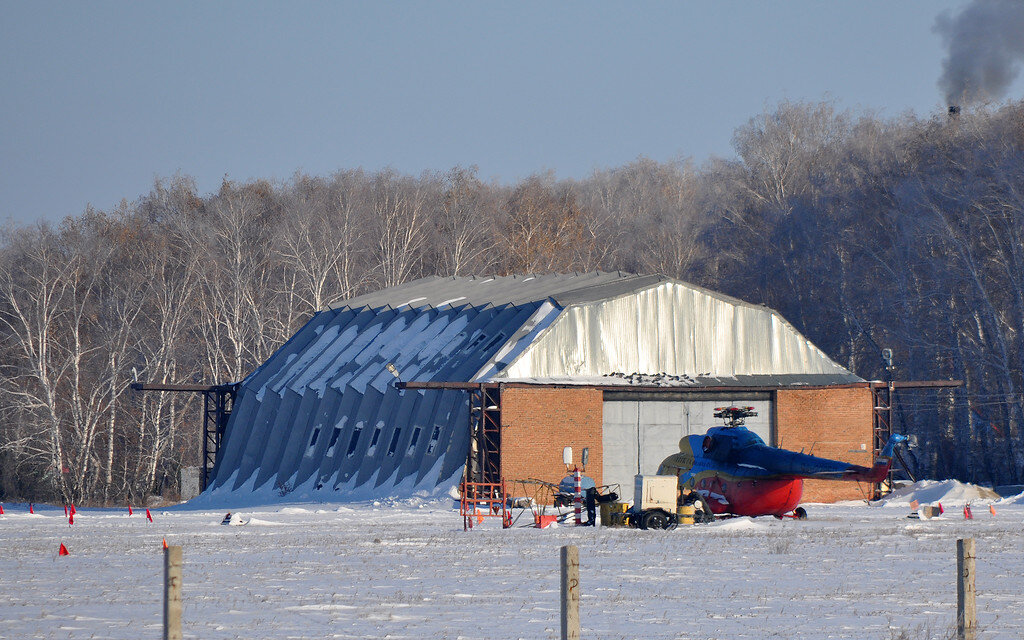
[(645, 431)]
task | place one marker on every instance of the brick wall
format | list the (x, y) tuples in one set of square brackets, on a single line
[(831, 423), (538, 422)]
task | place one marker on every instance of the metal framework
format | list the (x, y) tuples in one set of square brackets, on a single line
[(882, 396), (218, 402), (483, 487), (883, 399)]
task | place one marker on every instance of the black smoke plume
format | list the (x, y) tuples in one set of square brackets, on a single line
[(985, 44)]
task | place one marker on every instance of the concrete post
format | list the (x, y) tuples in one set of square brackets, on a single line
[(966, 614), (570, 592), (172, 593)]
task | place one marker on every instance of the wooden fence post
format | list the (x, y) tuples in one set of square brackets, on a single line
[(966, 620), (172, 593), (570, 592)]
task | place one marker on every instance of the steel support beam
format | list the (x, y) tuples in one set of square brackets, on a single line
[(218, 402)]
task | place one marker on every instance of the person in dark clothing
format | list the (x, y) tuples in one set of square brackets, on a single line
[(591, 502)]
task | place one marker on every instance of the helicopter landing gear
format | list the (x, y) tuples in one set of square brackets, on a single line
[(798, 514)]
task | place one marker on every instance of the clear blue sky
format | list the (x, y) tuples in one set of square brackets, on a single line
[(98, 99)]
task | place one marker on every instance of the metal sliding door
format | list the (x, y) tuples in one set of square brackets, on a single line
[(640, 433)]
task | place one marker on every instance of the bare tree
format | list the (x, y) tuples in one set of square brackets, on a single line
[(464, 223), (400, 208)]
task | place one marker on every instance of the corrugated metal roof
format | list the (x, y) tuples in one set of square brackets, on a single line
[(477, 291)]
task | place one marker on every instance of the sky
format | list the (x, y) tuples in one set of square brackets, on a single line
[(98, 100)]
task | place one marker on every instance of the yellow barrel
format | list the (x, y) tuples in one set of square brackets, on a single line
[(613, 514), (686, 514)]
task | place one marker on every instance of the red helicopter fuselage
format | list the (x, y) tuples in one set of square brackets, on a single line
[(748, 497)]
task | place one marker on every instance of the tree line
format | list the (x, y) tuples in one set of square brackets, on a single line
[(864, 232)]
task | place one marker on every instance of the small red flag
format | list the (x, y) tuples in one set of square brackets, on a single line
[(129, 509), (63, 550), (1, 509), (65, 511), (71, 519), (73, 512), (165, 543), (30, 510), (967, 512), (148, 517), (941, 510)]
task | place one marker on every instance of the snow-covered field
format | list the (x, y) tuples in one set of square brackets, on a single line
[(407, 570)]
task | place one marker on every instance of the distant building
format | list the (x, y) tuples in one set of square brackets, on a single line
[(623, 364)]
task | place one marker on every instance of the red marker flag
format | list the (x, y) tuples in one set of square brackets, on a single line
[(967, 512), (30, 510), (73, 512), (65, 511), (63, 550), (941, 510), (148, 517), (129, 509), (1, 509), (71, 519)]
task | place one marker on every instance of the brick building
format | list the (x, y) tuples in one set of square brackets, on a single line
[(623, 364)]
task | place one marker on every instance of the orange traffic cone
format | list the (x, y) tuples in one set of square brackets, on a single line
[(63, 550), (991, 509), (165, 543), (967, 512)]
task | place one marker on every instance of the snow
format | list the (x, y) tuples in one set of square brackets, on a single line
[(406, 569), (948, 492), (1017, 499), (742, 524)]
